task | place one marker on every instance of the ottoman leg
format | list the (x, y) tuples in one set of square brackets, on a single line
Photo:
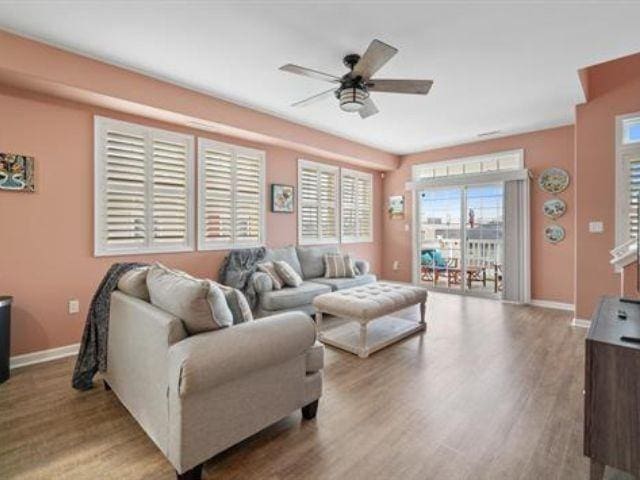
[(363, 341), (423, 313)]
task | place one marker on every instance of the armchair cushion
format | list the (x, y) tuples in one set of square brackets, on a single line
[(200, 304), (210, 359)]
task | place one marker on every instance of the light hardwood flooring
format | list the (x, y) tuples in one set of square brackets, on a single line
[(490, 391)]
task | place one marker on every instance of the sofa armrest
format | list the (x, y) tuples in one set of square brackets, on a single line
[(362, 266), (209, 359), (261, 282)]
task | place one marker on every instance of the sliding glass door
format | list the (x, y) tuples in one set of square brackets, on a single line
[(461, 238)]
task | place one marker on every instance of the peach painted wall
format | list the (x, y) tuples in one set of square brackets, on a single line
[(46, 238), (551, 265), (614, 89)]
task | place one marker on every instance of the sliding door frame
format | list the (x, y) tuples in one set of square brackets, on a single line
[(462, 181)]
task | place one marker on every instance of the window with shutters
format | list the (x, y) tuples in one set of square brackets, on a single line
[(627, 177), (317, 203), (143, 189), (356, 190), (231, 196)]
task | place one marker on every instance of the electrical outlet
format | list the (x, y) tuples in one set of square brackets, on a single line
[(596, 227), (74, 306), (396, 265)]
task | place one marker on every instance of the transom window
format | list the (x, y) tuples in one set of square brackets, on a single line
[(501, 161)]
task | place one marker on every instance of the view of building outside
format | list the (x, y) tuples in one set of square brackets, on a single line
[(443, 230)]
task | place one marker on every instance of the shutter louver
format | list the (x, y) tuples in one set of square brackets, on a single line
[(231, 189), (318, 203), (247, 198), (364, 200), (170, 197), (634, 192), (124, 195), (349, 211)]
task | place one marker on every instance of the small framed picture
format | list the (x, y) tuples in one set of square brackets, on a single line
[(396, 206), (17, 173), (282, 198)]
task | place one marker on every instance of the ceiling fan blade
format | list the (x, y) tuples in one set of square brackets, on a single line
[(419, 87), (307, 72), (378, 53), (369, 108), (313, 99)]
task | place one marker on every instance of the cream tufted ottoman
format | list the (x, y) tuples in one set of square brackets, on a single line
[(370, 306)]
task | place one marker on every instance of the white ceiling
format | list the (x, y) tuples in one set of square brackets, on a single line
[(508, 66)]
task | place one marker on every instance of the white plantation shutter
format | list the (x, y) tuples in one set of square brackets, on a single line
[(357, 210), (143, 195), (231, 186), (633, 179), (318, 203)]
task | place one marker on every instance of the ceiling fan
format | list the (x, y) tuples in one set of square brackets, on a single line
[(355, 85)]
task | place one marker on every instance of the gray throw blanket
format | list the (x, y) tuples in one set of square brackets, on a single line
[(93, 348), (237, 269)]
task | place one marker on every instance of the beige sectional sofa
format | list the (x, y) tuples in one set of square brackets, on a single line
[(308, 262), (196, 396)]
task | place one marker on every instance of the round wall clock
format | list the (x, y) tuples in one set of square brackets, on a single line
[(554, 208), (554, 180), (554, 233)]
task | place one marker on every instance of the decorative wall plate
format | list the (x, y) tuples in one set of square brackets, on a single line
[(554, 180), (554, 208), (554, 233)]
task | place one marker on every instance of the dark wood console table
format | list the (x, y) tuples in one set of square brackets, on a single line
[(612, 389)]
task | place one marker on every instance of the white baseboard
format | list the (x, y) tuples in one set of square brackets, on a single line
[(579, 322), (18, 361), (549, 304)]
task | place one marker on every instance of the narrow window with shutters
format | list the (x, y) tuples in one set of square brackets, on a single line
[(231, 196), (627, 177), (143, 189), (357, 197), (317, 203)]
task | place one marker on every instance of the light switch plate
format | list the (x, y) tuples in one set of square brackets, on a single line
[(74, 306), (596, 227), (396, 264)]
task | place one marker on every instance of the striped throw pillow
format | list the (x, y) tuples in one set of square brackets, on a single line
[(270, 269), (287, 273), (337, 265)]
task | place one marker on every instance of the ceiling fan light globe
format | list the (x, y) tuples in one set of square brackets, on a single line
[(352, 99)]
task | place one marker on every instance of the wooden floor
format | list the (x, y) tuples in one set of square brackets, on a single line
[(491, 391)]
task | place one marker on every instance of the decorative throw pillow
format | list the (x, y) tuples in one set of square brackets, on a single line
[(287, 273), (237, 303), (200, 304), (337, 265), (270, 269), (134, 283)]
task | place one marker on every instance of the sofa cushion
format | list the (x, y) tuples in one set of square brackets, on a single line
[(285, 254), (338, 266), (269, 268), (200, 304), (134, 283), (312, 260), (287, 273), (342, 283), (292, 297)]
